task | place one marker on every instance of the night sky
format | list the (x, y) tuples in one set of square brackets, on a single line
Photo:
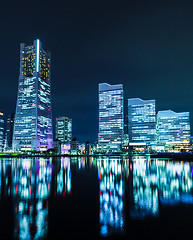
[(145, 45)]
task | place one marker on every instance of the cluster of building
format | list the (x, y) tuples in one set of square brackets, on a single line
[(64, 144), (145, 130), (31, 127)]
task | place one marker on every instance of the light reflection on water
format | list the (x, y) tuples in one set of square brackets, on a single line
[(111, 192), (158, 181), (31, 188), (126, 190)]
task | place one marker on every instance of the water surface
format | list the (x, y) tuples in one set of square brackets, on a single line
[(104, 197)]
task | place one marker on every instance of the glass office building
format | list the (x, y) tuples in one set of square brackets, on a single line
[(1, 130), (141, 122), (111, 121), (64, 129), (9, 132), (33, 117), (173, 128)]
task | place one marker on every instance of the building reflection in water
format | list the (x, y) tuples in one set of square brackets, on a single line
[(29, 182), (144, 191), (132, 189), (63, 185), (158, 182), (111, 193)]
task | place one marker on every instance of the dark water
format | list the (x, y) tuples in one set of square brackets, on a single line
[(94, 198)]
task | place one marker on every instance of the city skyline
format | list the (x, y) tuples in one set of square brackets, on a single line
[(143, 127), (146, 46), (33, 127), (96, 119)]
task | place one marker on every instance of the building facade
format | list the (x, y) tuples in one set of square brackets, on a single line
[(64, 129), (9, 132), (111, 117), (57, 146), (1, 130), (141, 122), (33, 117), (74, 146), (173, 128), (88, 148)]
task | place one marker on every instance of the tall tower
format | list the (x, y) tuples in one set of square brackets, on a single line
[(33, 117), (110, 117)]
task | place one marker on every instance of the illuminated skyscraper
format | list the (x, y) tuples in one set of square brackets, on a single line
[(110, 117), (64, 129), (9, 132), (173, 128), (33, 118), (1, 130), (141, 122)]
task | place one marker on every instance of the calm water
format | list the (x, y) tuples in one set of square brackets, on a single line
[(106, 197)]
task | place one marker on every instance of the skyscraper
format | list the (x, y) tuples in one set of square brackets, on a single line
[(111, 119), (64, 129), (9, 132), (173, 128), (141, 122), (1, 130), (33, 117)]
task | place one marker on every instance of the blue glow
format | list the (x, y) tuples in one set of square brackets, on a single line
[(104, 230)]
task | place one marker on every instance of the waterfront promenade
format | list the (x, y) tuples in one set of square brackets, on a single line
[(188, 156)]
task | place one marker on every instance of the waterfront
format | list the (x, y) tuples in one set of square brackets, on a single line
[(95, 197)]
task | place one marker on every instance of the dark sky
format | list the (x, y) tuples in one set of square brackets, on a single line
[(145, 45)]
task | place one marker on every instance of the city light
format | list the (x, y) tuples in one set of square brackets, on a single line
[(111, 118), (173, 128), (33, 118), (141, 122)]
